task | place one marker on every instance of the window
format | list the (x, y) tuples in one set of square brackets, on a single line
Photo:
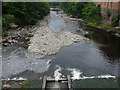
[(108, 4), (111, 4), (104, 3)]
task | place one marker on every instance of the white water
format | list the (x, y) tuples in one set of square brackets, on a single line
[(20, 60), (77, 74), (20, 78), (57, 73)]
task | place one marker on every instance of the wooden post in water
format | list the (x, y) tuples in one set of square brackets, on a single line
[(44, 83), (69, 82)]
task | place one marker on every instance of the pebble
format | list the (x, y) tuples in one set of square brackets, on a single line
[(45, 41)]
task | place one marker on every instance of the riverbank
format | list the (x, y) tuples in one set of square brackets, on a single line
[(21, 35), (18, 35), (67, 18), (108, 28), (105, 27)]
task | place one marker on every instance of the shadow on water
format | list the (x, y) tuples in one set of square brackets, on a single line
[(54, 85), (110, 43)]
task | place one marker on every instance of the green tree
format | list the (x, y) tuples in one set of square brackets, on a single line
[(25, 13), (79, 7), (91, 13), (73, 8), (115, 21)]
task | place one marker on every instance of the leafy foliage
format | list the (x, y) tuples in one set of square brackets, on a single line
[(115, 21), (108, 12), (91, 13), (88, 11), (63, 5), (5, 33), (6, 20), (74, 8), (54, 4), (79, 7), (25, 13)]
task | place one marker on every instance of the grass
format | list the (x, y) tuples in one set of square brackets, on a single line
[(102, 26), (118, 31)]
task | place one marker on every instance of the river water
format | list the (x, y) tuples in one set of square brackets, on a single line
[(97, 58)]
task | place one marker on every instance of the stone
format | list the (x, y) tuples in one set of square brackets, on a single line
[(14, 25), (6, 86), (47, 42), (5, 44), (29, 35)]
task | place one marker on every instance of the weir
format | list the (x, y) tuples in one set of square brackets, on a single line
[(51, 83)]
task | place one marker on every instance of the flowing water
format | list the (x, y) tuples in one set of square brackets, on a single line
[(97, 58)]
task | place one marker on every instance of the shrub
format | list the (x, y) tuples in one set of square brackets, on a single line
[(73, 8), (26, 13), (5, 33), (6, 20), (79, 7), (115, 21), (108, 12), (91, 13)]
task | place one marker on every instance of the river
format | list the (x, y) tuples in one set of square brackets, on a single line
[(97, 58)]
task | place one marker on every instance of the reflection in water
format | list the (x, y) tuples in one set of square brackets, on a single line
[(110, 43), (55, 85)]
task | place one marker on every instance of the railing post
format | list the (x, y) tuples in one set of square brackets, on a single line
[(69, 82), (44, 83)]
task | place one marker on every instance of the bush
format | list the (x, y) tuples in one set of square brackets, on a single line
[(79, 7), (5, 33), (108, 12), (73, 8), (26, 13), (91, 13), (115, 21), (6, 20)]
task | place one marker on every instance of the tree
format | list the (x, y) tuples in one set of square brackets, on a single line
[(79, 7), (91, 13), (25, 13), (73, 8)]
